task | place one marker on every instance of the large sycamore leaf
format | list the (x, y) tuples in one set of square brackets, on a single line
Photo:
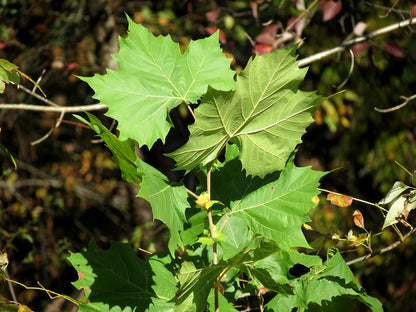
[(266, 116), (168, 200), (154, 77), (273, 207), (322, 288), (118, 280)]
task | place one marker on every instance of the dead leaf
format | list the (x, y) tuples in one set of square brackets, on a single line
[(340, 200), (358, 219)]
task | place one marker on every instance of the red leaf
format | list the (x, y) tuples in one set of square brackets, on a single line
[(268, 35), (262, 48), (2, 45), (358, 218), (340, 200), (360, 48), (71, 66), (413, 10), (394, 49), (212, 15), (331, 9), (212, 30)]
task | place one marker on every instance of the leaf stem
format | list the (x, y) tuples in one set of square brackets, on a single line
[(192, 193), (356, 199), (213, 235), (51, 294), (383, 250)]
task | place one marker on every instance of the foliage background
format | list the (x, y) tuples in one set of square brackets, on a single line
[(66, 189)]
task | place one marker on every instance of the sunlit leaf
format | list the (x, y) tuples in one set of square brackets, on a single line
[(266, 116), (397, 189), (168, 199), (278, 209), (10, 73), (322, 285), (400, 207), (154, 77)]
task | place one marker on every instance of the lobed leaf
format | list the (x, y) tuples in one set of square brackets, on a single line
[(168, 200), (117, 280), (266, 116), (324, 288), (195, 286), (278, 209), (154, 77)]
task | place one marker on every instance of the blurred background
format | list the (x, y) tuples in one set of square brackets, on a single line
[(67, 190)]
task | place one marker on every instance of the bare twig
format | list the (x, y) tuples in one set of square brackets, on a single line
[(59, 109), (58, 122), (347, 44), (388, 110), (302, 63), (383, 250), (39, 97), (342, 84), (35, 86)]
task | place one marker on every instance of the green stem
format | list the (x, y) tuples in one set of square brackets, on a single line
[(49, 292), (212, 231), (356, 199)]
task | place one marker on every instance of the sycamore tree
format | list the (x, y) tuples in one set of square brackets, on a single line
[(236, 240)]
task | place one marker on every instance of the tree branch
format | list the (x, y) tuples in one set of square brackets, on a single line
[(59, 109), (383, 250), (347, 44), (388, 110)]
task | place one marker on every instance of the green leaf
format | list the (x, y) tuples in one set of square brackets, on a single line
[(273, 271), (123, 151), (237, 236), (397, 189), (168, 200), (101, 307), (278, 209), (400, 206), (266, 116), (117, 280), (320, 286), (223, 303), (154, 77), (194, 227), (10, 156), (195, 287), (8, 74)]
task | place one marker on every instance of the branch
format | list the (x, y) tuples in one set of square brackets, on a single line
[(347, 44), (59, 109), (406, 100), (383, 250)]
